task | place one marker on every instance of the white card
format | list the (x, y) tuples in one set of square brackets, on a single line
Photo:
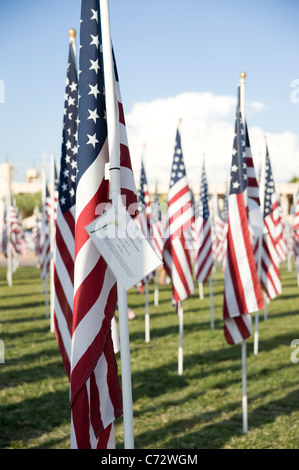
[(123, 246)]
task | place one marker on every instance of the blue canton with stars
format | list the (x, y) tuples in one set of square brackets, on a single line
[(204, 196), (178, 168), (69, 149), (238, 182), (143, 182), (92, 129), (269, 186)]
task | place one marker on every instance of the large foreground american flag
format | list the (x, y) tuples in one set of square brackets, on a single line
[(95, 390), (242, 293), (180, 216), (204, 256), (270, 260), (65, 221)]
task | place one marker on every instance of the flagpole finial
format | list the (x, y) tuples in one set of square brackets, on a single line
[(243, 75), (72, 34), (180, 120)]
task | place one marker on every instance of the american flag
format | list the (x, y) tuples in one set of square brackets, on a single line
[(204, 256), (221, 227), (180, 216), (296, 218), (157, 226), (65, 221), (18, 244), (270, 260), (144, 205), (242, 293), (45, 248), (252, 183), (95, 390), (294, 230), (18, 241), (281, 241)]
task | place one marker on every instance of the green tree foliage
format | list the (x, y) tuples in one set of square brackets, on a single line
[(26, 203)]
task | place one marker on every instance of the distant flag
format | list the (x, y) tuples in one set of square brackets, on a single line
[(295, 230), (296, 219), (95, 390), (204, 256), (270, 260), (157, 225), (15, 233), (219, 224), (252, 182), (65, 220), (180, 216), (281, 242), (144, 204), (242, 293), (45, 256)]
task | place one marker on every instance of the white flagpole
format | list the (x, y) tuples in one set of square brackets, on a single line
[(156, 298), (114, 153), (200, 286), (211, 302), (244, 388), (52, 242), (181, 325), (147, 316)]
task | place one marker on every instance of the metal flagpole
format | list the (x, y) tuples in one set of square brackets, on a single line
[(181, 324), (114, 153), (52, 242)]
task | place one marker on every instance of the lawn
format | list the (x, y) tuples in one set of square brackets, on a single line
[(200, 409)]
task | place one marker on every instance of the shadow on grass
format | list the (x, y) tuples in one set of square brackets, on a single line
[(216, 434), (33, 417), (23, 306)]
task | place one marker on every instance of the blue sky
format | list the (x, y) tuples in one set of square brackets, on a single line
[(163, 48)]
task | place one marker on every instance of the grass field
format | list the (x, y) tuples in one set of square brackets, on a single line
[(200, 409)]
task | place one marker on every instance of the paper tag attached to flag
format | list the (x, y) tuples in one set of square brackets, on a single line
[(123, 246)]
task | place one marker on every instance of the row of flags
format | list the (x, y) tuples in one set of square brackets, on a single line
[(188, 241)]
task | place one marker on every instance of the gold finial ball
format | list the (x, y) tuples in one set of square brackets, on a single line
[(180, 120), (243, 75), (72, 33)]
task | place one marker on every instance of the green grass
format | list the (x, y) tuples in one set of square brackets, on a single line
[(200, 409)]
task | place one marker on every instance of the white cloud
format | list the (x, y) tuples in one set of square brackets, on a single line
[(207, 128)]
